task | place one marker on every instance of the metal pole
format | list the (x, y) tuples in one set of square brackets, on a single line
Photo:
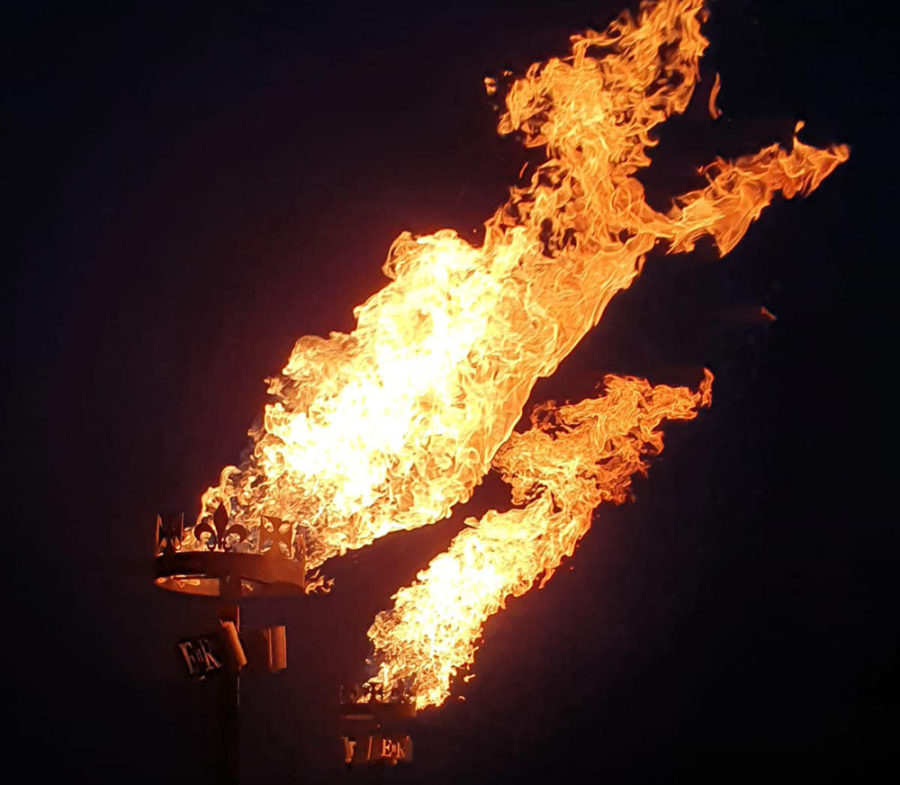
[(230, 593)]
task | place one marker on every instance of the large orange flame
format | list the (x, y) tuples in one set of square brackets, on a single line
[(571, 460), (389, 427)]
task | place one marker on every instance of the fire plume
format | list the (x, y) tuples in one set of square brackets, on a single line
[(572, 459), (389, 427)]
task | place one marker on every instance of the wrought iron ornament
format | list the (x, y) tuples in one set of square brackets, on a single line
[(217, 557)]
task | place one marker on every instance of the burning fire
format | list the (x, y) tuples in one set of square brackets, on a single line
[(389, 427), (572, 459)]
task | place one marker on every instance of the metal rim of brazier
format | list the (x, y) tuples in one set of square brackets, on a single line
[(234, 564), (204, 574)]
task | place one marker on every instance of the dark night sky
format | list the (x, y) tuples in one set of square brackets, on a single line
[(193, 187)]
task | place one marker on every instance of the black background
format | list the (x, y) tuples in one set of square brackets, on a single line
[(192, 187)]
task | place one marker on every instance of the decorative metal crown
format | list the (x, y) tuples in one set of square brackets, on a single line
[(218, 534), (222, 558)]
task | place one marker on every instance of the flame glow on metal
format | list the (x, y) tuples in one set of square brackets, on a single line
[(389, 427)]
